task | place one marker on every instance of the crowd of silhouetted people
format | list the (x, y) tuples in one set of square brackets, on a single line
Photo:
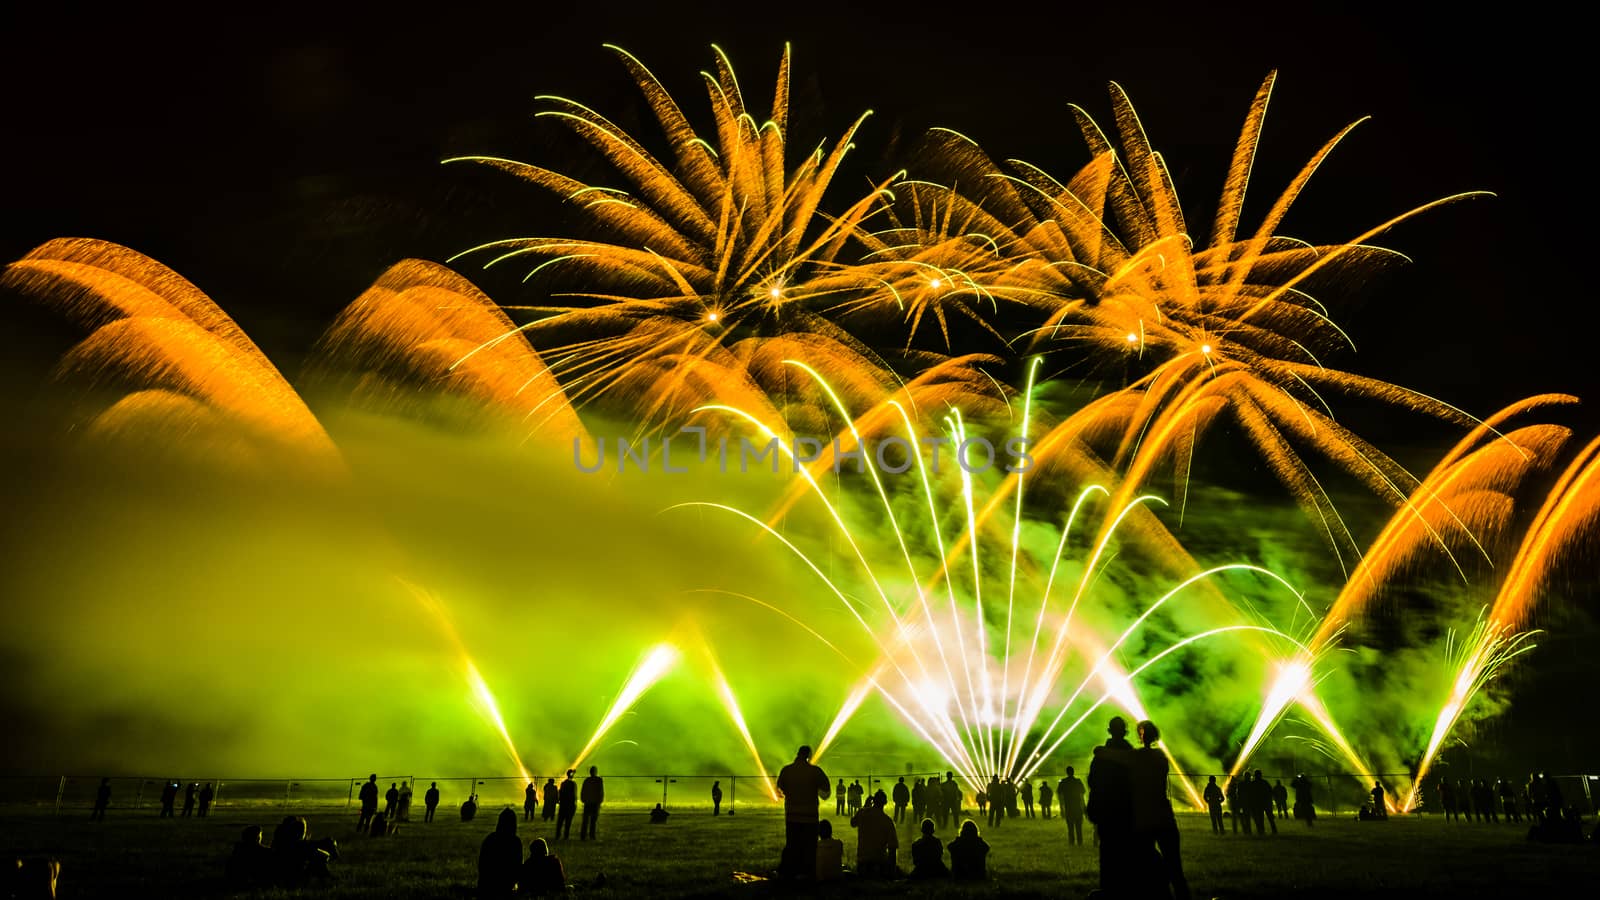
[(1124, 796)]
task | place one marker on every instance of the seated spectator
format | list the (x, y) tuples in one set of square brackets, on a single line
[(876, 841), (830, 853), (658, 815), (382, 826), (542, 873), (927, 854), (296, 857), (251, 862), (500, 858), (969, 853), (469, 808)]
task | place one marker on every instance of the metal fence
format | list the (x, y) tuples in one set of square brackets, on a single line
[(1335, 793)]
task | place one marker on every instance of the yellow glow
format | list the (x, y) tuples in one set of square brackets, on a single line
[(1205, 348), (712, 317), (936, 284), (1133, 338)]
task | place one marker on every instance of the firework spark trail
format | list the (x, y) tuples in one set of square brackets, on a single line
[(482, 696), (1006, 751), (1040, 757), (1490, 647), (657, 662), (995, 745), (730, 703)]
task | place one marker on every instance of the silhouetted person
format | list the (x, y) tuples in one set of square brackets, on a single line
[(716, 798), (102, 801), (430, 802), (876, 841), (296, 857), (802, 785), (1110, 808), (250, 864), (469, 807), (402, 811), (207, 794), (927, 854), (830, 852), (592, 795), (994, 796), (551, 798), (1153, 820), (500, 858), (1027, 799), (1380, 809), (369, 803), (902, 799), (1070, 793), (567, 806), (1045, 796), (1554, 802), (1464, 799), (382, 826), (1447, 799), (1305, 804), (169, 798), (530, 802), (189, 794), (658, 816), (1508, 800), (1483, 802), (854, 794), (840, 798), (969, 854), (1236, 803), (919, 800), (543, 873), (1213, 797), (950, 795), (1280, 798), (1261, 805), (391, 800)]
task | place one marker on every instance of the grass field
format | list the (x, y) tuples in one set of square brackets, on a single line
[(696, 855)]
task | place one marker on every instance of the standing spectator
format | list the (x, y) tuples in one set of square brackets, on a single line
[(1380, 809), (1027, 799), (902, 798), (1280, 798), (207, 794), (567, 806), (189, 794), (854, 805), (551, 799), (1305, 804), (1263, 803), (530, 802), (1508, 800), (1069, 793), (169, 798), (369, 803), (594, 793), (802, 786), (716, 798), (430, 802), (1238, 801), (102, 801), (1214, 798), (391, 801), (1045, 796), (1447, 799), (951, 794), (1110, 808), (403, 809), (840, 798), (1153, 820), (919, 800)]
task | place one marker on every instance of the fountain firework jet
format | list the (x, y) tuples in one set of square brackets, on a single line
[(947, 667), (655, 664)]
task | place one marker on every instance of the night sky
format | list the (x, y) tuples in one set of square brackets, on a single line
[(282, 156)]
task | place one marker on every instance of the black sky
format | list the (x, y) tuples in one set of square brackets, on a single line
[(282, 156)]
